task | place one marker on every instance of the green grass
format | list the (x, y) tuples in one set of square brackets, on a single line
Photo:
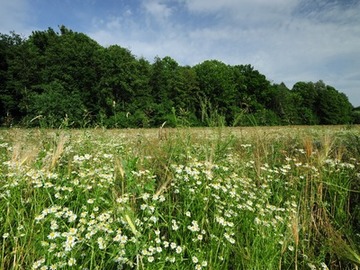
[(221, 198)]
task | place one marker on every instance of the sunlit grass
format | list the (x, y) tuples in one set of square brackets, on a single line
[(245, 198)]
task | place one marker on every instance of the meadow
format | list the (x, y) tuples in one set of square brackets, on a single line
[(187, 198)]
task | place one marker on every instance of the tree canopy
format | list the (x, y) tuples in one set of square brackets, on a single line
[(64, 78)]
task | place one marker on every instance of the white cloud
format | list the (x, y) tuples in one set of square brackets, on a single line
[(243, 10), (158, 10)]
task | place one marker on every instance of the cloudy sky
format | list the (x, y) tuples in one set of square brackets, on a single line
[(286, 40)]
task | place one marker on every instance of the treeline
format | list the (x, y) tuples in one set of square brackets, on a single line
[(66, 79)]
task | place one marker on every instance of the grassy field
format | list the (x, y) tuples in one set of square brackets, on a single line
[(220, 198)]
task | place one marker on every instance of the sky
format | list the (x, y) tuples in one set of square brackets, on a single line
[(286, 40)]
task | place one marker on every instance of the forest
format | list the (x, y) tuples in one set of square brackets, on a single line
[(63, 78)]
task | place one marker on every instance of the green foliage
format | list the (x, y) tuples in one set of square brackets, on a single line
[(54, 106), (19, 74), (308, 107), (216, 84), (355, 115), (110, 87), (284, 103), (334, 107)]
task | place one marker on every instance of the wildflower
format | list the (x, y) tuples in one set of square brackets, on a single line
[(117, 237), (53, 235), (90, 201), (40, 217), (72, 231), (153, 219), (198, 267), (145, 196), (188, 214), (229, 238), (151, 249), (123, 239), (123, 199), (194, 227), (5, 235), (104, 217), (72, 261), (101, 243), (204, 264), (220, 220), (170, 259), (257, 221), (38, 263), (120, 259), (194, 259), (54, 226), (178, 250), (248, 202), (75, 182), (174, 226), (173, 245), (44, 243), (150, 259), (70, 242), (72, 217), (20, 227)]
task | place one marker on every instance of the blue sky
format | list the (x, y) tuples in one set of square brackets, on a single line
[(286, 40)]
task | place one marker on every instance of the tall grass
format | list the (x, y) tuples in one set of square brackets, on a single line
[(222, 198)]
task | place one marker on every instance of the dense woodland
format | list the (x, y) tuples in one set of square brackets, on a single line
[(66, 79)]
